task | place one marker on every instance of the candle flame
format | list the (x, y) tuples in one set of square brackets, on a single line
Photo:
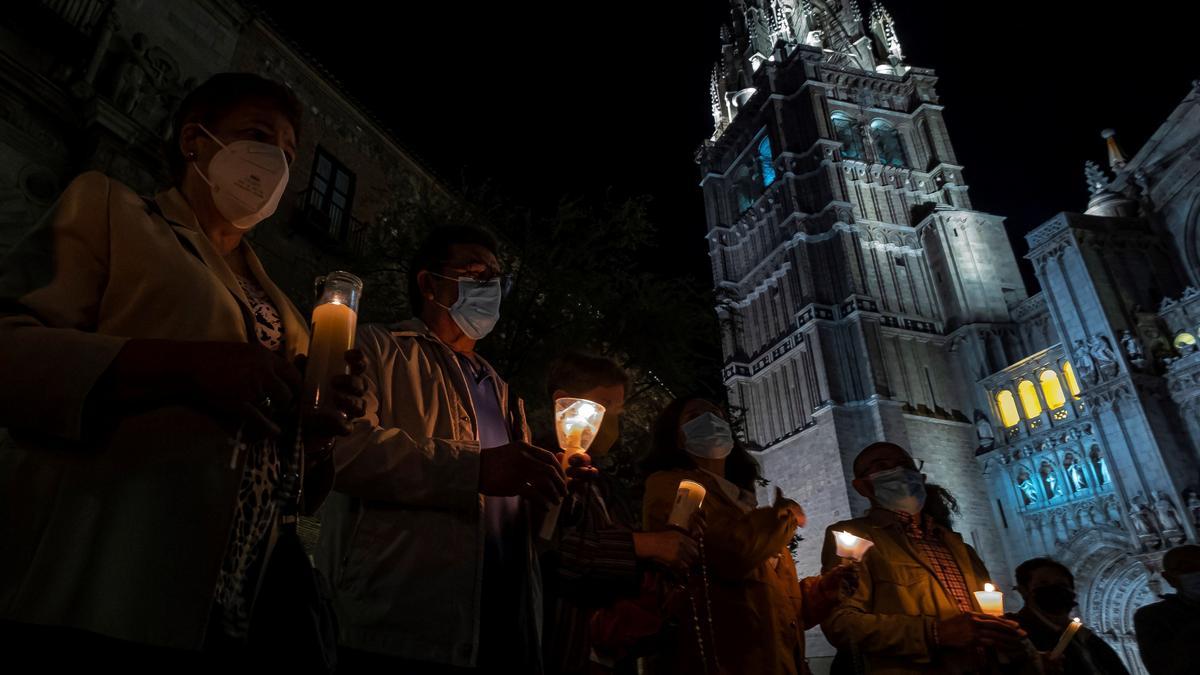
[(586, 410), (1076, 620), (988, 588), (845, 538)]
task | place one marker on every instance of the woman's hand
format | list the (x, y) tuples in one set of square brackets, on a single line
[(839, 579), (786, 509), (321, 426)]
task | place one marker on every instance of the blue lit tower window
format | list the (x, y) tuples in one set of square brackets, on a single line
[(887, 143), (766, 161), (844, 129)]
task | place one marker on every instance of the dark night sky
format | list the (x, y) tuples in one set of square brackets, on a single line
[(579, 98)]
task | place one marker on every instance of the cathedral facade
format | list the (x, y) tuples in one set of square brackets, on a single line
[(864, 299)]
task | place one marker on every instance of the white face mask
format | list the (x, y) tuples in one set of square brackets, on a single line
[(899, 489), (478, 306), (247, 178), (708, 436)]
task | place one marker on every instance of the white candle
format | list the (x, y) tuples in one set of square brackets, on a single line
[(688, 497), (990, 600), (850, 546), (1065, 640)]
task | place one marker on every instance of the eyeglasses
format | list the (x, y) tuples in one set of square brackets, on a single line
[(480, 279)]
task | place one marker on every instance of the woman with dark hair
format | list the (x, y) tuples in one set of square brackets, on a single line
[(746, 611), (149, 385)]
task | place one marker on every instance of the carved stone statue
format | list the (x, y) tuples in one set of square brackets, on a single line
[(1103, 355), (1145, 522), (1168, 517), (132, 75), (1133, 350), (985, 432), (1049, 481), (1074, 473), (1085, 365), (1026, 486), (1100, 466), (1192, 500)]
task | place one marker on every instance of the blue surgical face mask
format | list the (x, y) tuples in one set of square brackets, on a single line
[(708, 436), (478, 306), (1188, 585), (899, 489)]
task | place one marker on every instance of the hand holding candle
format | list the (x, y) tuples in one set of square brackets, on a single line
[(1065, 640), (991, 601), (576, 422)]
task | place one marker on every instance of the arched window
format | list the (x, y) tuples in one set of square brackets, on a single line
[(766, 160), (1009, 416), (1029, 399), (846, 132), (888, 149), (1052, 390), (1072, 383)]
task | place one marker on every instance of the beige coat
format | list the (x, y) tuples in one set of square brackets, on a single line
[(402, 534), (760, 608), (122, 535), (889, 619)]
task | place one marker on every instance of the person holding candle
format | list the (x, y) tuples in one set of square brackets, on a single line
[(149, 387), (429, 533), (746, 609), (1048, 589), (913, 609), (598, 558), (1168, 631)]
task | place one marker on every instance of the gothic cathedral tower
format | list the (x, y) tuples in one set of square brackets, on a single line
[(856, 282)]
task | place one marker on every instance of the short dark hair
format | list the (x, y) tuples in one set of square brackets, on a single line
[(435, 249), (577, 372), (216, 98), (740, 468), (1026, 569)]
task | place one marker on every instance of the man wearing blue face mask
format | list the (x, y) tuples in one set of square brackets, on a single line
[(913, 610), (1169, 630), (427, 536)]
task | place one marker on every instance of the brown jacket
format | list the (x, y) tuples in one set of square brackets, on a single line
[(124, 534), (889, 619), (402, 535), (760, 608)]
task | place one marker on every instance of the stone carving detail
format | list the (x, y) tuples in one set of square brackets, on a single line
[(1103, 355), (1145, 523), (1168, 518), (1085, 365), (985, 432), (1133, 350), (1192, 501)]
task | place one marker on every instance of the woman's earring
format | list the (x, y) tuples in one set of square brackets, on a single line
[(192, 156)]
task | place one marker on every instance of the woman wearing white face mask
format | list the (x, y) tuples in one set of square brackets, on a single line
[(147, 380), (759, 608)]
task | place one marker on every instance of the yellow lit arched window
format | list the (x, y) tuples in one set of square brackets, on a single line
[(1072, 383), (1052, 390), (1029, 399), (1184, 339), (1009, 416)]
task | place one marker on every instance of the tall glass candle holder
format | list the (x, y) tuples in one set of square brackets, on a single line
[(334, 320)]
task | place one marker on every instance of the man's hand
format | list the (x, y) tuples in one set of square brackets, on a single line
[(522, 469), (838, 579), (980, 630), (579, 470), (672, 549)]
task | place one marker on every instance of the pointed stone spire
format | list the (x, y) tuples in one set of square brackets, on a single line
[(1116, 157)]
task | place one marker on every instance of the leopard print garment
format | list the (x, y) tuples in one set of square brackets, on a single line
[(256, 507)]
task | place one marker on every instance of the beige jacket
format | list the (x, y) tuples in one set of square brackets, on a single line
[(121, 535), (402, 534), (889, 619)]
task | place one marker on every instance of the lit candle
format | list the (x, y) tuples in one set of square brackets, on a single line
[(851, 547), (688, 498), (333, 322), (576, 421), (991, 601), (1072, 629)]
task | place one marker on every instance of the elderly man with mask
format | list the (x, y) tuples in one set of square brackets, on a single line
[(913, 610), (1168, 631), (427, 537)]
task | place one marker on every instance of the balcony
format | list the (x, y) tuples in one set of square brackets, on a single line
[(331, 228)]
